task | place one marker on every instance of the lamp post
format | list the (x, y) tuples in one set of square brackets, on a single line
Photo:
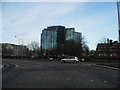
[(118, 11), (108, 49), (21, 46), (19, 39)]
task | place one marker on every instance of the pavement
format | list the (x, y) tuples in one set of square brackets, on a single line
[(54, 74)]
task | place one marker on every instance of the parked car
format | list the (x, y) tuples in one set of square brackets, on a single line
[(73, 59)]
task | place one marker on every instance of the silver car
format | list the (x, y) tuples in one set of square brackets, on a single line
[(73, 59)]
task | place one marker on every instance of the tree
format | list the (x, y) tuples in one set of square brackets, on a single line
[(33, 46), (73, 48), (85, 47), (34, 49)]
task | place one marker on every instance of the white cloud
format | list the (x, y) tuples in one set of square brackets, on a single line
[(35, 19), (42, 15), (59, 0), (44, 12), (96, 26)]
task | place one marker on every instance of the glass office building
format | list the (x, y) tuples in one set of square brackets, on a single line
[(69, 33), (77, 37), (54, 37), (51, 37), (48, 39)]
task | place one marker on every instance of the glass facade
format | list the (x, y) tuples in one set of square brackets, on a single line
[(54, 37), (69, 34), (77, 37), (48, 39)]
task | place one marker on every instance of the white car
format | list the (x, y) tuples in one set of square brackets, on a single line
[(73, 59)]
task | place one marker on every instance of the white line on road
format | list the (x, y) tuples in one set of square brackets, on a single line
[(91, 80), (1, 66), (108, 67), (48, 77), (44, 78), (105, 81), (16, 65), (57, 78), (79, 79), (68, 78)]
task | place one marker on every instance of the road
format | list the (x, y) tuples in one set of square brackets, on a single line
[(54, 74)]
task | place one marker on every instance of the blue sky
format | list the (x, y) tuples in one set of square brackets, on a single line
[(95, 20)]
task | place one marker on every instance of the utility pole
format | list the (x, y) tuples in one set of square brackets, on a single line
[(118, 10), (108, 50)]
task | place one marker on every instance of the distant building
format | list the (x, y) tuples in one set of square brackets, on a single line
[(12, 50), (53, 38), (105, 50)]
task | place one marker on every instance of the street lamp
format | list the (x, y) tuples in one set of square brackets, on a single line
[(21, 46), (118, 10), (19, 39)]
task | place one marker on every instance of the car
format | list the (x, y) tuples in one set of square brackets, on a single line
[(73, 59)]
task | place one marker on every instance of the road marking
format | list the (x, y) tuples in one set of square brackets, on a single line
[(16, 65), (38, 77), (105, 81), (57, 78), (108, 67), (48, 77), (1, 66), (91, 80), (79, 79), (68, 79), (44, 78)]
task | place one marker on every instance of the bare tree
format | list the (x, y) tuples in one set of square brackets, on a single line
[(34, 49), (85, 47), (103, 40), (33, 46)]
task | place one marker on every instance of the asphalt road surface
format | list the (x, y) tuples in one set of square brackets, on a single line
[(54, 74)]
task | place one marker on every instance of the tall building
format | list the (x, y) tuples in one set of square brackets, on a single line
[(69, 33), (77, 37), (53, 38)]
